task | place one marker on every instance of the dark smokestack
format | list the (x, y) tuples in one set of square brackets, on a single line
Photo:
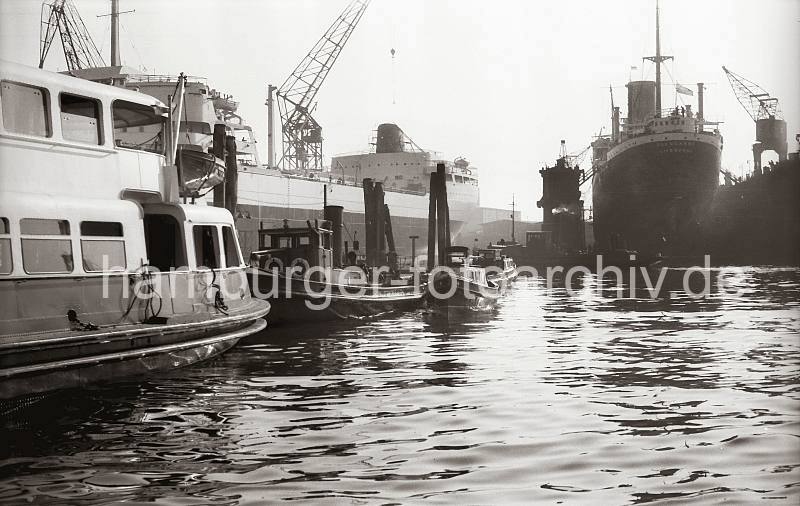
[(334, 215), (700, 88)]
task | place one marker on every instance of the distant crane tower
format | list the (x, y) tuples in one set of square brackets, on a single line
[(80, 51), (765, 112), (302, 134)]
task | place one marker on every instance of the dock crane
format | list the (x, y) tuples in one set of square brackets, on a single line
[(80, 51), (765, 112), (302, 134)]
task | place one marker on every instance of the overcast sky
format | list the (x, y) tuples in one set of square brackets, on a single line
[(499, 83)]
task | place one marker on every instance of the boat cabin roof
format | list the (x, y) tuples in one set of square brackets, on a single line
[(458, 251), (294, 231), (17, 72)]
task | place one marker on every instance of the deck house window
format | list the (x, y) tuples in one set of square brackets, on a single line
[(80, 119), (46, 246), (137, 126), (25, 109), (206, 246), (232, 258), (163, 238), (6, 263), (102, 246)]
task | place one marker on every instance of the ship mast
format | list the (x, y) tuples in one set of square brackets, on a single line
[(115, 59), (657, 59)]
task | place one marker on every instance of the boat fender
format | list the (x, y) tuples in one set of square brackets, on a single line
[(273, 264), (299, 266)]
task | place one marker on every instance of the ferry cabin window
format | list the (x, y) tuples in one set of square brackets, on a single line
[(80, 119), (105, 251), (137, 126), (46, 247), (6, 263), (101, 228), (232, 258), (206, 246), (25, 109), (164, 242)]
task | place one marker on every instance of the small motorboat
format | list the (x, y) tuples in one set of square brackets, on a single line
[(500, 269), (296, 273), (462, 282)]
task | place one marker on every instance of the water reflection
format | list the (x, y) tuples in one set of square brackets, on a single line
[(563, 393)]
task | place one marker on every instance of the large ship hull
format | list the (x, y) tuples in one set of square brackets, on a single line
[(653, 191), (757, 221), (266, 198)]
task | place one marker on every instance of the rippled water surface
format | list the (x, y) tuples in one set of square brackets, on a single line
[(578, 397)]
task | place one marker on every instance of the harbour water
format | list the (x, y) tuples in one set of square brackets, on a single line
[(581, 397)]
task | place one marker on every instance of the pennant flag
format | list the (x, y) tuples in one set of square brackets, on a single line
[(683, 90)]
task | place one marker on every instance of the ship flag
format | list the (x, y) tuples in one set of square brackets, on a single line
[(683, 89)]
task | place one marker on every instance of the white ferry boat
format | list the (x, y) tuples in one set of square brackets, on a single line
[(104, 270)]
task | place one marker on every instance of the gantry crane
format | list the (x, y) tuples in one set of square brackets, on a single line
[(302, 134), (765, 112), (80, 51)]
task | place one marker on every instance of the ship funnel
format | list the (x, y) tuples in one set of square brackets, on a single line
[(641, 101), (700, 89), (390, 139)]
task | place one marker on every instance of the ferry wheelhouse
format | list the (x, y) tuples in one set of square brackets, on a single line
[(105, 269)]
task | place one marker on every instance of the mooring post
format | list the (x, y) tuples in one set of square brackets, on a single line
[(231, 175), (446, 205), (441, 213), (432, 222), (413, 251), (218, 150), (380, 224), (369, 221)]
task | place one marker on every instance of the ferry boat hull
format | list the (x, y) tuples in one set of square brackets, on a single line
[(40, 363), (652, 196)]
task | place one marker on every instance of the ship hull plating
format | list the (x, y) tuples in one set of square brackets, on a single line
[(651, 195)]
